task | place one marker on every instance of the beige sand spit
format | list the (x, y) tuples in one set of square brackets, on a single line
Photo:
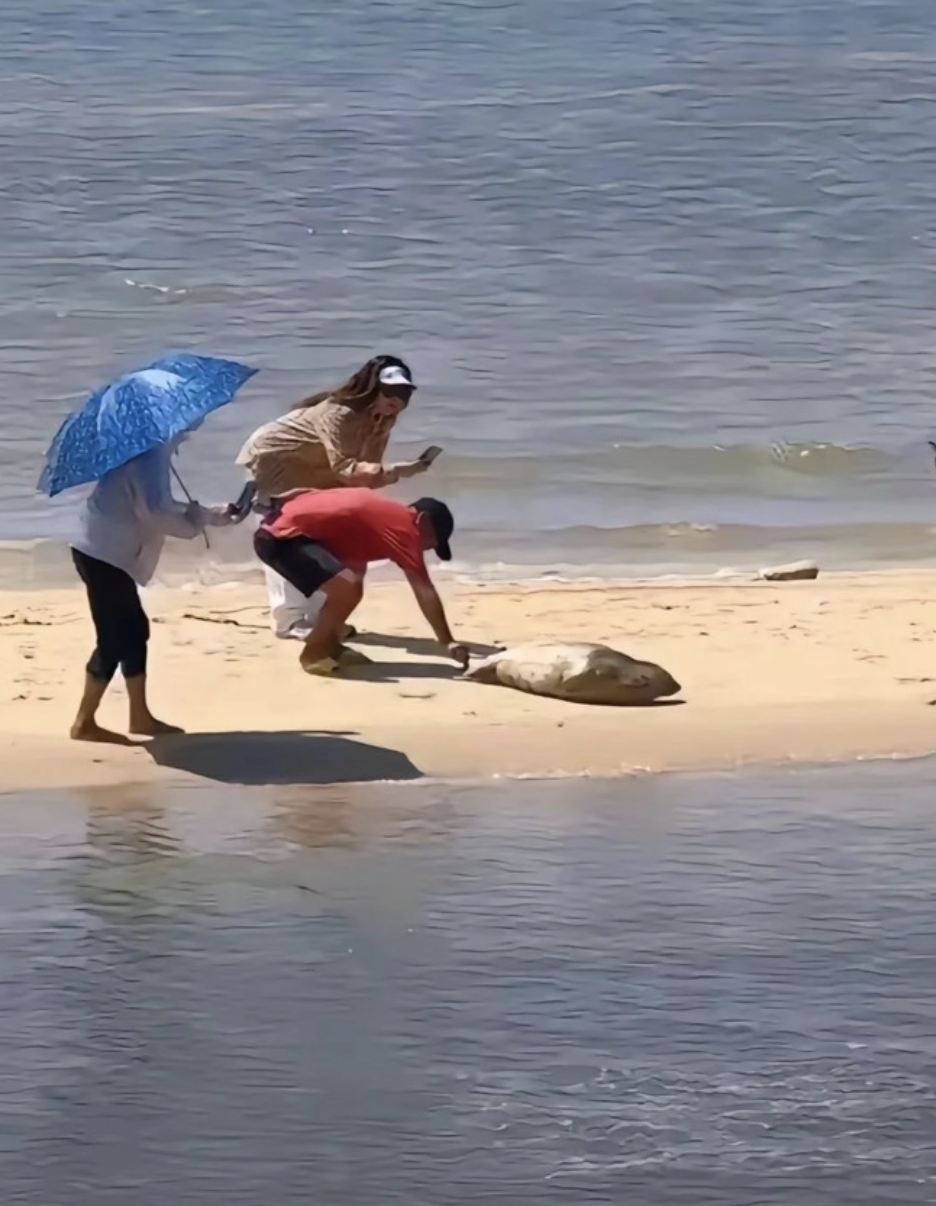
[(805, 671)]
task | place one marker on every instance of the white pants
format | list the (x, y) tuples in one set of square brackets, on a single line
[(291, 613)]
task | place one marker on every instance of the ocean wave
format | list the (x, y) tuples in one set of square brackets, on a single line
[(750, 465), (578, 552), (665, 538)]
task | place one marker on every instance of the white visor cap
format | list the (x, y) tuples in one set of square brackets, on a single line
[(394, 375)]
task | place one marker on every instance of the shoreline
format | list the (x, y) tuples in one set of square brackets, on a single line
[(44, 564), (833, 670)]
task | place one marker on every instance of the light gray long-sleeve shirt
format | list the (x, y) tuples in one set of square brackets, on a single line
[(131, 511)]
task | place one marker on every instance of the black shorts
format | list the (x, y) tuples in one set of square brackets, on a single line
[(304, 563)]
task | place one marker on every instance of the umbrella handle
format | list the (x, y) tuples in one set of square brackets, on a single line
[(184, 488)]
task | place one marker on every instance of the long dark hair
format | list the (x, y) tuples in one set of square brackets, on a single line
[(361, 389)]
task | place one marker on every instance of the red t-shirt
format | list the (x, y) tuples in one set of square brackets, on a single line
[(356, 525)]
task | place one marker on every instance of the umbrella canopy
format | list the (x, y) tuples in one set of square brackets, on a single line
[(136, 413)]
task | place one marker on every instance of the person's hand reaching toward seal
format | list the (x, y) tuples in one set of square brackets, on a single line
[(459, 653)]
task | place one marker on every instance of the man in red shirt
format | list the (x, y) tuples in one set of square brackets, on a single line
[(324, 540)]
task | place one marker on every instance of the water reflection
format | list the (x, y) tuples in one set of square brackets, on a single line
[(663, 990), (127, 824)]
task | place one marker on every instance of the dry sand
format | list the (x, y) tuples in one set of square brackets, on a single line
[(837, 669)]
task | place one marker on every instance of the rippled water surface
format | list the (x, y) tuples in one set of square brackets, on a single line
[(657, 990), (664, 271)]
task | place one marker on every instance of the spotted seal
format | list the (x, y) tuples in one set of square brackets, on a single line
[(579, 673)]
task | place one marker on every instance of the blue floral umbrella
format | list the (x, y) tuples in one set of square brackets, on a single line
[(136, 413)]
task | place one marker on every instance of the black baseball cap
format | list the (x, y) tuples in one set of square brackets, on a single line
[(442, 524)]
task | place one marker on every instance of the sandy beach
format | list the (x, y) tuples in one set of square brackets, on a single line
[(832, 670)]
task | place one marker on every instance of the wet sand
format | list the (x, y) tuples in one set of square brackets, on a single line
[(838, 669)]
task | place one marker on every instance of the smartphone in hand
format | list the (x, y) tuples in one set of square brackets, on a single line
[(430, 454), (240, 509)]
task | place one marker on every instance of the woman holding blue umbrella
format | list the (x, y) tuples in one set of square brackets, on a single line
[(123, 527), (124, 439)]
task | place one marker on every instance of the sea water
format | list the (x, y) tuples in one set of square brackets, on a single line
[(663, 272), (657, 990)]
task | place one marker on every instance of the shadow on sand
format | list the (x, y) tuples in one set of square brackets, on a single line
[(418, 646), (395, 672), (256, 759)]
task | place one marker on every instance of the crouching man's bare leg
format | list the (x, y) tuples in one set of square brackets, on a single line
[(322, 650)]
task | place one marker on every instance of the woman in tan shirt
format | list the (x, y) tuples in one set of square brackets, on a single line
[(330, 440)]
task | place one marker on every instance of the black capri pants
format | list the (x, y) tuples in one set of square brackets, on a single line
[(120, 623)]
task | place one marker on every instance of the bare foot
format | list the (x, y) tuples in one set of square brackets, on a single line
[(90, 730), (151, 727)]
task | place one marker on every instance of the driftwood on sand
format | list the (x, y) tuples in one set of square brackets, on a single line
[(795, 571)]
